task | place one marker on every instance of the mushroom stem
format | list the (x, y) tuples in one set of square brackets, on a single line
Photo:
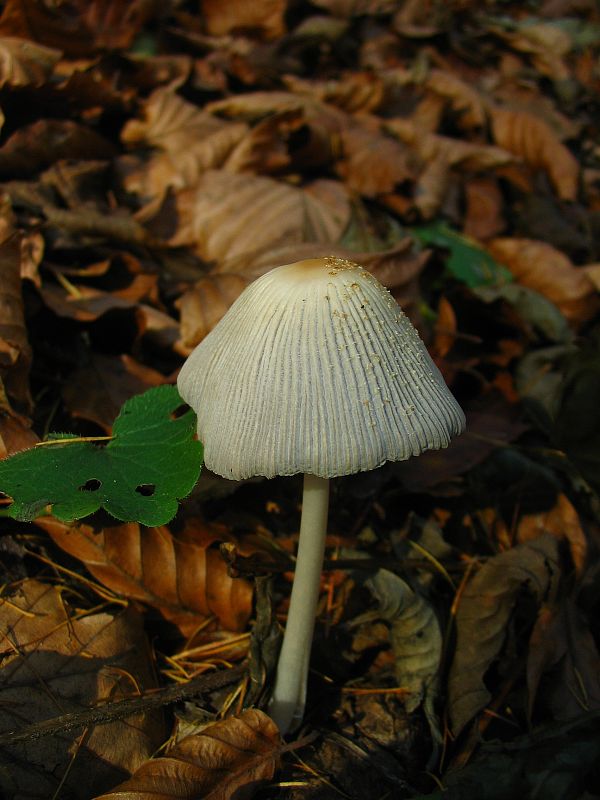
[(289, 694)]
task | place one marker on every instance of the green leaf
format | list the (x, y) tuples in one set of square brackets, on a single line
[(152, 461), (468, 262)]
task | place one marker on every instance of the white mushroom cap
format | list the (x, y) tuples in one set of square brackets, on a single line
[(315, 369)]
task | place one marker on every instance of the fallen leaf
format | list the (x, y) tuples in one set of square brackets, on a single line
[(266, 17), (530, 138), (36, 146), (561, 521), (482, 617), (228, 215), (415, 637), (180, 575), (15, 351), (229, 759), (484, 215), (464, 100), (97, 391), (546, 270), (353, 92), (372, 163), (547, 45), (202, 306), (57, 659), (563, 655), (79, 27), (23, 62), (15, 434)]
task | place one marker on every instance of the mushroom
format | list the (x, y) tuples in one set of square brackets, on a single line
[(314, 369)]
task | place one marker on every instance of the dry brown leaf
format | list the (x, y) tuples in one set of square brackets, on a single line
[(482, 617), (202, 306), (545, 269), (253, 106), (266, 17), (15, 352), (593, 273), (357, 8), (15, 434), (180, 575), (77, 28), (229, 759), (192, 142), (23, 63), (561, 521), (465, 101), (546, 44), (355, 91), (530, 138), (372, 163), (264, 149), (439, 155), (55, 660), (397, 268), (230, 215), (37, 146), (445, 329), (170, 123), (483, 208), (97, 391)]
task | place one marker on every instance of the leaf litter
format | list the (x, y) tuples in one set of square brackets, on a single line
[(155, 160)]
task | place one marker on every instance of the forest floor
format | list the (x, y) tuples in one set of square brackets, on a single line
[(155, 158)]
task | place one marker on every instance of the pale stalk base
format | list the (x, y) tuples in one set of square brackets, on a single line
[(289, 694)]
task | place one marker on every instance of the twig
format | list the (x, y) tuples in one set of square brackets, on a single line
[(120, 709)]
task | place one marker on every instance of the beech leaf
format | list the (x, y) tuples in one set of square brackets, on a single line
[(228, 759), (184, 577), (151, 462), (483, 614)]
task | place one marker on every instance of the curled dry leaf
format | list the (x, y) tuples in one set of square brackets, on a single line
[(182, 575), (483, 614), (229, 215), (202, 306), (25, 63), (465, 101), (530, 138), (356, 91), (265, 148), (546, 44), (266, 17), (546, 270), (56, 660), (415, 637), (229, 759)]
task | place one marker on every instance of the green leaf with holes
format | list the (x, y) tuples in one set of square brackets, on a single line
[(151, 462)]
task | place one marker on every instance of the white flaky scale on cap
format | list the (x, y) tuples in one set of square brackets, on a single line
[(314, 369)]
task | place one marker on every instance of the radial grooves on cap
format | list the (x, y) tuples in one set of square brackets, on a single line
[(324, 375)]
